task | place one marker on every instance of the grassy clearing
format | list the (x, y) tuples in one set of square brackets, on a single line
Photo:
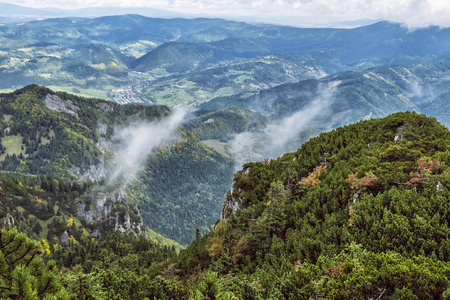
[(13, 145), (158, 238), (89, 93), (158, 72), (171, 96), (241, 79), (174, 95), (224, 91), (44, 141), (44, 224), (217, 146), (76, 221)]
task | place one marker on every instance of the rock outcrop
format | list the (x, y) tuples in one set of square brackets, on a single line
[(233, 198), (110, 209), (106, 107), (57, 104), (8, 221), (94, 173)]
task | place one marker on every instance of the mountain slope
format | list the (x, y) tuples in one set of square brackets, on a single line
[(223, 123), (179, 57), (52, 52), (353, 95), (89, 142), (358, 212), (176, 57), (362, 203), (57, 131), (180, 188), (51, 155)]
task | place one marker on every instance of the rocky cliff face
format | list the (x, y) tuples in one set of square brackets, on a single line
[(98, 172), (233, 198), (55, 103), (94, 173), (110, 209)]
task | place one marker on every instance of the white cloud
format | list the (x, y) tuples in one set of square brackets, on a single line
[(138, 140), (413, 13), (286, 136)]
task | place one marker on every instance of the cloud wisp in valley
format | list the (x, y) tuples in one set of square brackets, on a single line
[(288, 133), (138, 140)]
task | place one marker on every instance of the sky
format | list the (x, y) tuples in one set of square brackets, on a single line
[(412, 13)]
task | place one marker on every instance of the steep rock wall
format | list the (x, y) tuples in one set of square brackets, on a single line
[(233, 198), (111, 209)]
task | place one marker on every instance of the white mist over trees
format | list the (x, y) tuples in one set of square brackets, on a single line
[(285, 136), (138, 140)]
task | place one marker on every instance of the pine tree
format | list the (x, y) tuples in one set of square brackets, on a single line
[(23, 273)]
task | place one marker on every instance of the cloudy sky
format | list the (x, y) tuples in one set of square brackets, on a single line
[(413, 13)]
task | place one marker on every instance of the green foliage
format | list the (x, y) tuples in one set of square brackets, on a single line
[(84, 286), (117, 267), (42, 207), (211, 288), (298, 232), (344, 217), (23, 274), (222, 124), (70, 139), (177, 210), (64, 146)]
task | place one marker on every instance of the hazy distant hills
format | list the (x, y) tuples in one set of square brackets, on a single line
[(298, 111), (277, 71), (353, 95), (10, 13), (181, 57), (121, 29), (151, 56), (176, 57)]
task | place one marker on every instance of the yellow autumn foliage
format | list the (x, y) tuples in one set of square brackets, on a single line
[(73, 240), (69, 222), (216, 247), (46, 246), (313, 178), (85, 234)]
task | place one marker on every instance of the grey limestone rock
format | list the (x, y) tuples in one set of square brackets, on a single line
[(111, 207), (233, 201), (57, 104)]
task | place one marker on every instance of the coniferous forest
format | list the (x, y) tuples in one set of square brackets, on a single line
[(152, 154), (360, 212)]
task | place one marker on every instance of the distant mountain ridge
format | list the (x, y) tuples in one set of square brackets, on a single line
[(17, 12), (131, 44), (376, 92)]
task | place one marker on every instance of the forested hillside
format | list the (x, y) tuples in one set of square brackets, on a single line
[(358, 212), (53, 170), (343, 188), (374, 92), (80, 142), (115, 267), (181, 189), (56, 131)]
